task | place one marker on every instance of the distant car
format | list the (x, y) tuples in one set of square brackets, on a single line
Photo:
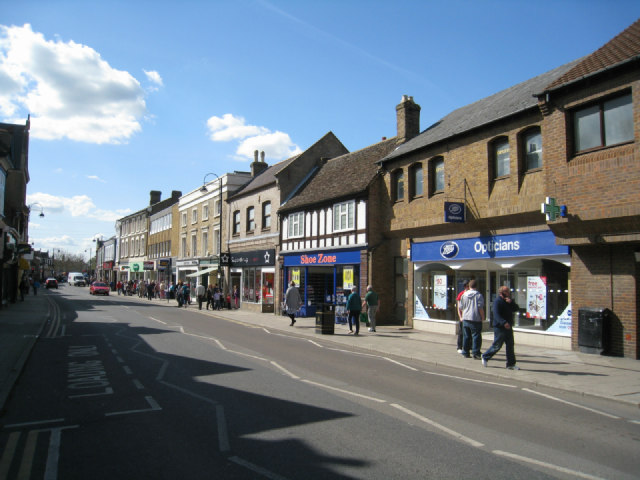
[(99, 288), (51, 283), (77, 279)]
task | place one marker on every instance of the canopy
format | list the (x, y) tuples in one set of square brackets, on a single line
[(202, 272)]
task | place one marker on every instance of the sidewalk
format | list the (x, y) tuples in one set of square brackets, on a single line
[(600, 376)]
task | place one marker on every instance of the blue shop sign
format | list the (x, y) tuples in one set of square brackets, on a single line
[(499, 246), (350, 257)]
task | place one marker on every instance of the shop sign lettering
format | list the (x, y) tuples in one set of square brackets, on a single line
[(496, 246), (318, 259)]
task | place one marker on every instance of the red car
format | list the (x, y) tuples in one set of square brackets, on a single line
[(99, 288)]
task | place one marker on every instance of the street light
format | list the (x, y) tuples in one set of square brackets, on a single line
[(89, 270), (204, 190), (41, 208)]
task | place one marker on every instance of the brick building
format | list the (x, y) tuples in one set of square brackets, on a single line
[(592, 168)]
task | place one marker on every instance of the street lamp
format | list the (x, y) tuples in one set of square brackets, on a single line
[(41, 208), (204, 190), (89, 270)]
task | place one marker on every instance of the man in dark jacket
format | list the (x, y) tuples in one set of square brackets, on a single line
[(503, 309)]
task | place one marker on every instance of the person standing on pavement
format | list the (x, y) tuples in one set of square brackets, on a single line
[(371, 301), (503, 310), (201, 291), (354, 307), (292, 302), (471, 310), (465, 287)]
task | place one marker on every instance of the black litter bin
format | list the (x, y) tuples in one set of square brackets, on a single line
[(325, 319), (593, 330)]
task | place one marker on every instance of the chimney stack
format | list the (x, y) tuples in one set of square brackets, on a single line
[(408, 118), (154, 197), (257, 167), (175, 194)]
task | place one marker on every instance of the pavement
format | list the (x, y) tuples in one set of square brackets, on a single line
[(600, 376)]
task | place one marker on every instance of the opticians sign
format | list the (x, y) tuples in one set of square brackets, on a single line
[(498, 246)]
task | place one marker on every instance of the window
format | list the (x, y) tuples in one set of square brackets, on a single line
[(415, 174), (194, 245), (501, 158), (205, 212), (217, 207), (251, 219), (183, 246), (437, 175), (532, 140), (398, 185), (216, 242), (266, 215), (205, 243), (296, 224), (607, 123), (343, 216), (183, 221), (236, 222), (194, 215)]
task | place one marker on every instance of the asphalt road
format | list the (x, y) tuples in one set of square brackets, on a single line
[(119, 388)]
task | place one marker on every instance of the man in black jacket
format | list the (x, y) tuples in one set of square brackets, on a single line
[(503, 309)]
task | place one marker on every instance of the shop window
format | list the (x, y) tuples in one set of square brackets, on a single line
[(415, 178), (609, 122), (251, 285), (532, 148), (236, 222), (500, 157), (437, 175), (251, 219), (266, 215), (343, 216), (397, 185), (296, 224)]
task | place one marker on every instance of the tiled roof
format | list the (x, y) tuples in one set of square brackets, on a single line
[(265, 178), (622, 48), (342, 177), (511, 101)]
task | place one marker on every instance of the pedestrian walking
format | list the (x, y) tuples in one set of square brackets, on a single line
[(354, 307), (201, 292), (460, 327), (371, 302), (236, 297), (471, 310), (292, 302), (217, 294), (209, 296), (503, 309)]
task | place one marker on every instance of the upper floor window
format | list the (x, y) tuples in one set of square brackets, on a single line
[(296, 224), (194, 215), (437, 175), (501, 158), (266, 215), (205, 212), (183, 220), (236, 222), (397, 186), (217, 207), (343, 216), (205, 243), (606, 123), (415, 177), (251, 219), (194, 245), (532, 146)]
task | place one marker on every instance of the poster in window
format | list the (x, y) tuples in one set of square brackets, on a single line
[(347, 277), (440, 292), (537, 297), (295, 275)]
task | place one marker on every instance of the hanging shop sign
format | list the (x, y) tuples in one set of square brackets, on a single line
[(136, 266), (350, 257), (164, 264), (454, 212), (149, 265), (499, 246)]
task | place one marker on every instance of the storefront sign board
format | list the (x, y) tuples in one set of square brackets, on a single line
[(326, 258)]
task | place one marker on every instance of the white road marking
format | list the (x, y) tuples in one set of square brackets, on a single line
[(570, 403), (315, 343), (401, 364), (575, 473), (256, 469), (426, 420), (469, 379), (295, 377), (159, 321), (321, 385)]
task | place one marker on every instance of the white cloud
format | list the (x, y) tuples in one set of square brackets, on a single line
[(76, 206), (154, 77), (96, 178), (68, 89), (276, 145)]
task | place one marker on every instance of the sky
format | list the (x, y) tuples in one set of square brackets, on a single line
[(130, 96)]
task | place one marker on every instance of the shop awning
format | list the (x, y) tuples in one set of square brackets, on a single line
[(202, 272)]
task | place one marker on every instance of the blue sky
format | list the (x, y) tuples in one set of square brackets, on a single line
[(131, 96)]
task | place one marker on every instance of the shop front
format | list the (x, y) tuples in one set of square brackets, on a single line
[(530, 264), (184, 268), (253, 274), (324, 277)]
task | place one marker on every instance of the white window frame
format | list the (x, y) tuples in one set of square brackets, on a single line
[(295, 226), (344, 214)]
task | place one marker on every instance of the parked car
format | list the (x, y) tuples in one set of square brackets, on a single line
[(51, 283), (99, 288)]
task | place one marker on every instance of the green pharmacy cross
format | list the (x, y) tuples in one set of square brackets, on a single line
[(551, 209)]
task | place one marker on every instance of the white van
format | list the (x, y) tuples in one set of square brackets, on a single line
[(76, 279)]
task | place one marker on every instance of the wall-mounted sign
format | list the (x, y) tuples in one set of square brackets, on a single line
[(253, 258), (350, 257), (454, 212)]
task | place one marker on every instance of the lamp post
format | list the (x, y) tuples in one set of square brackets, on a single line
[(89, 269), (204, 190)]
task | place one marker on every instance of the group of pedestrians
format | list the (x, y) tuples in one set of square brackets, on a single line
[(471, 312)]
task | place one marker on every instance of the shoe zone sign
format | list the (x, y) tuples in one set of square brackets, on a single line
[(488, 247)]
